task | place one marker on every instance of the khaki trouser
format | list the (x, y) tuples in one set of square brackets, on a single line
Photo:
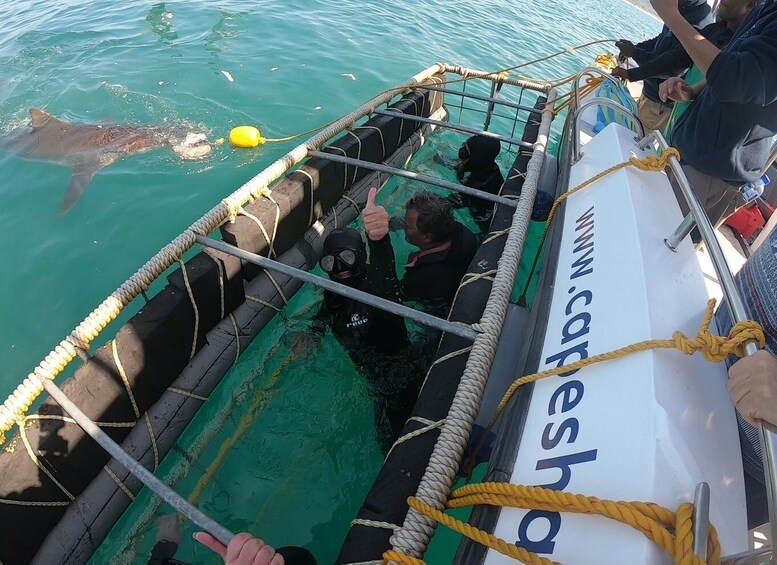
[(718, 198), (652, 114)]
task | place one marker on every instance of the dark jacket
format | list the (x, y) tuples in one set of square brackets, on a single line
[(697, 13), (488, 180), (676, 60), (435, 277), (727, 132)]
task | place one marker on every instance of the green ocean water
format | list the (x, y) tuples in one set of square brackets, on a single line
[(298, 473)]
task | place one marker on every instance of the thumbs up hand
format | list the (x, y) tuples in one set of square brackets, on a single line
[(376, 222)]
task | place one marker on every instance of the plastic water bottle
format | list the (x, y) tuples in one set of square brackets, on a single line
[(753, 189)]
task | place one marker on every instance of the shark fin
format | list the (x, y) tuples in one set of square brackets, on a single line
[(84, 170), (39, 118)]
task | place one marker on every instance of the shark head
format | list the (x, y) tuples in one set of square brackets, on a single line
[(194, 146), (87, 148)]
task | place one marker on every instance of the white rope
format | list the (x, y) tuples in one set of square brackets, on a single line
[(413, 538), (415, 433), (374, 524)]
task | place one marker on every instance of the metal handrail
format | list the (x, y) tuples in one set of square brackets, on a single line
[(752, 557), (598, 101), (590, 71), (736, 307)]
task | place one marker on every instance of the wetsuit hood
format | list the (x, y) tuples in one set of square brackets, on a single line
[(482, 152), (347, 238)]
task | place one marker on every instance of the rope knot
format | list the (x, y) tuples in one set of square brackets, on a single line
[(653, 163), (233, 209), (718, 348)]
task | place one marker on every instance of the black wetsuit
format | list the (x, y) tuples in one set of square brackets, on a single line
[(479, 170), (433, 277), (488, 180), (377, 342)]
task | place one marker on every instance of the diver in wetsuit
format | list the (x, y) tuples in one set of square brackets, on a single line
[(477, 168), (376, 341), (446, 248)]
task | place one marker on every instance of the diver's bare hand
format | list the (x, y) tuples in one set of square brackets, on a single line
[(244, 549), (676, 89), (752, 386), (625, 47), (376, 220), (621, 73)]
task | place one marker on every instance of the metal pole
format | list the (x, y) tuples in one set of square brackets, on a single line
[(479, 97), (447, 326), (680, 233), (146, 477), (738, 314), (415, 176), (597, 101), (590, 71), (496, 88), (701, 520), (753, 557), (455, 127)]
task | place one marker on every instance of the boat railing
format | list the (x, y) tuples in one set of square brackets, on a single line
[(591, 72), (597, 101), (698, 217)]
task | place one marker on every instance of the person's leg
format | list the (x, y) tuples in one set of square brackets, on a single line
[(653, 115), (718, 198)]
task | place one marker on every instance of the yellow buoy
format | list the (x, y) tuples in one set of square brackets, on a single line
[(245, 136)]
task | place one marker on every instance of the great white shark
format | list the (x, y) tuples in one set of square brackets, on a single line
[(87, 148)]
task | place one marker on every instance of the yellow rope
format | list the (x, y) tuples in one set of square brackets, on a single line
[(650, 163), (194, 306), (713, 347), (652, 520), (591, 84), (392, 556)]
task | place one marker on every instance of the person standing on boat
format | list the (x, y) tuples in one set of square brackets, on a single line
[(376, 341), (725, 136), (730, 15), (653, 111)]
